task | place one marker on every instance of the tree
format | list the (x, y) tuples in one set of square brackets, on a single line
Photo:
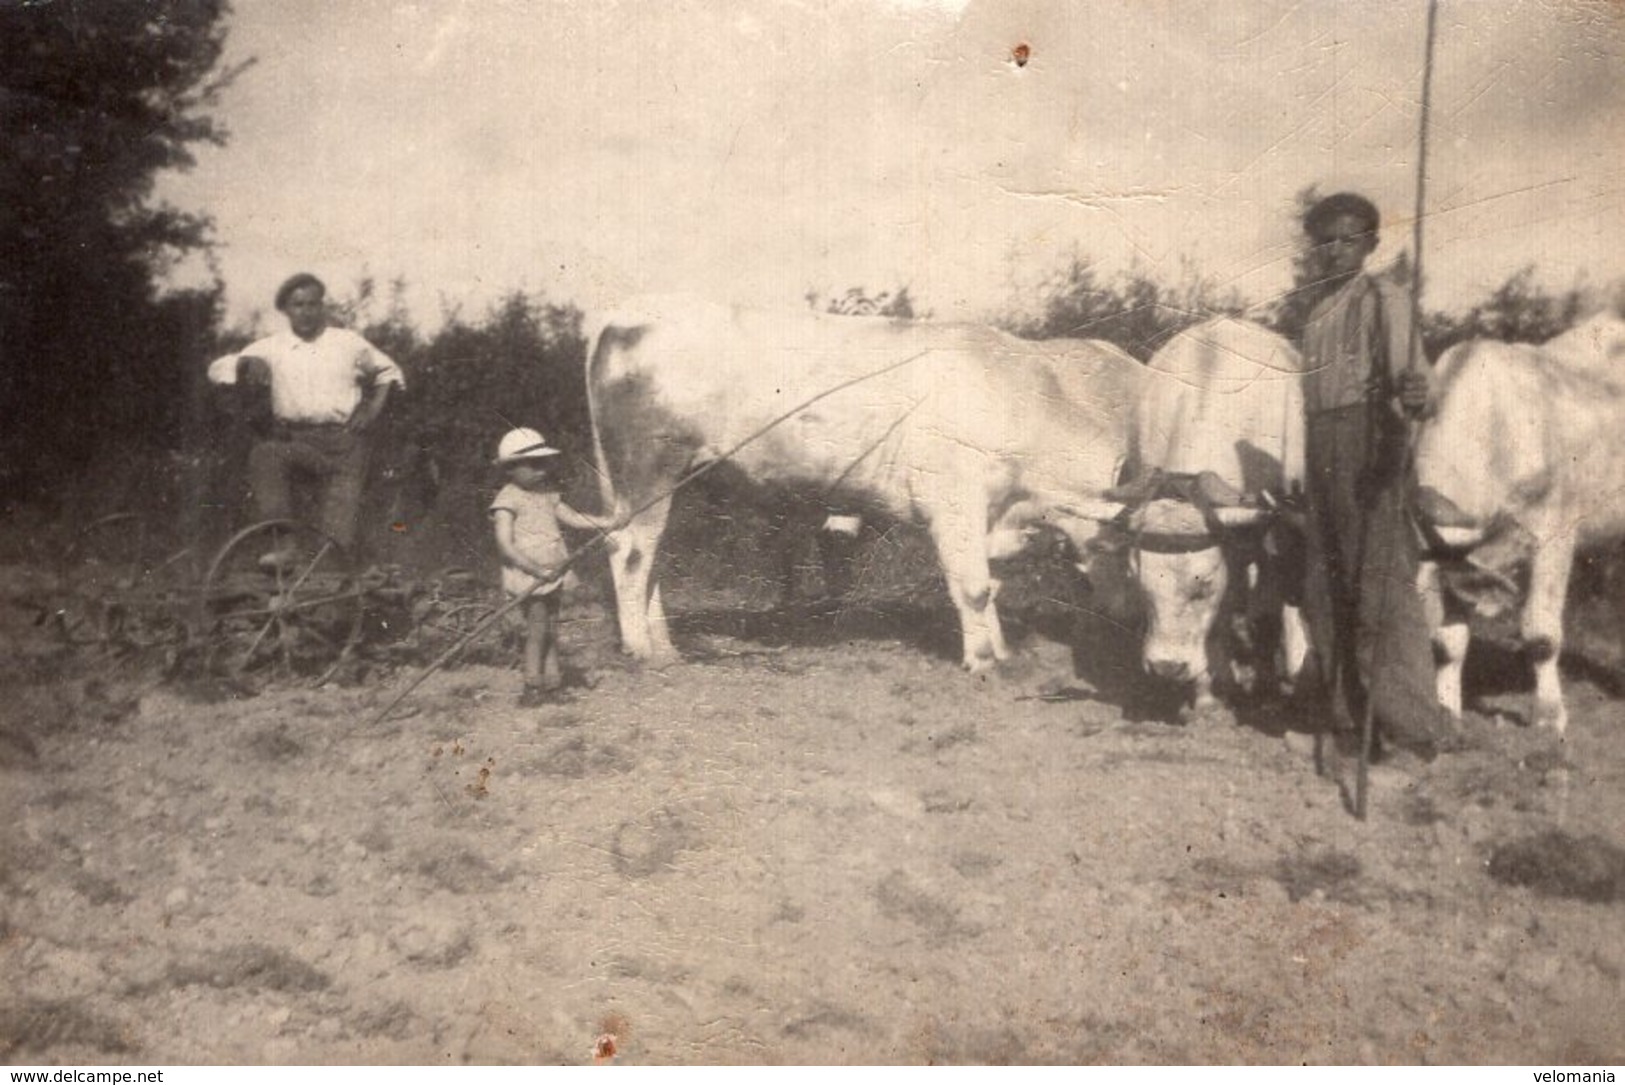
[(857, 301), (1517, 311), (1134, 310), (1290, 312), (96, 101)]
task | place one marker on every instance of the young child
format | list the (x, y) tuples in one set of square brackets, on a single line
[(526, 516)]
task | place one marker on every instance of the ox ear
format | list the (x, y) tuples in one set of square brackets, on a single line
[(839, 523), (1437, 509), (1215, 492), (1089, 535), (1100, 509), (1110, 541)]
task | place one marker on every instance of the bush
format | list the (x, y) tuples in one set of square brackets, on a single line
[(1133, 310)]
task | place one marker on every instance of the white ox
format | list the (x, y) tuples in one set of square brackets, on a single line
[(1085, 369), (1521, 462), (1218, 426), (965, 428)]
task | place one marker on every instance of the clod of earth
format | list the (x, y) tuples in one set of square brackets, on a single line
[(1556, 864)]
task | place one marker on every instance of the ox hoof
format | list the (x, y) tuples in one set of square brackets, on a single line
[(1204, 712), (651, 661), (983, 661), (1450, 701), (1552, 716)]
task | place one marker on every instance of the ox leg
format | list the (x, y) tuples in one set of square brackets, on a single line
[(962, 550), (782, 540), (1450, 638), (1543, 628), (1241, 661), (1280, 642), (661, 648), (837, 553), (788, 525), (1450, 650), (637, 601), (1294, 643), (1218, 678), (995, 628)]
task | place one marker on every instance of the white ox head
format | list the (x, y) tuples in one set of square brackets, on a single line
[(1183, 571), (1175, 531), (1183, 545), (1221, 415)]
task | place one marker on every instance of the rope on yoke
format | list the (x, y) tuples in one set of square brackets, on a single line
[(600, 537)]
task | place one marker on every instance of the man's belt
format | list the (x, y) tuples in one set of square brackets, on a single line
[(293, 428)]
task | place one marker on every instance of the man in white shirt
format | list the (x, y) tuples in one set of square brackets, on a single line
[(327, 387)]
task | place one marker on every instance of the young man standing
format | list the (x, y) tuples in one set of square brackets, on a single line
[(1362, 392), (327, 388)]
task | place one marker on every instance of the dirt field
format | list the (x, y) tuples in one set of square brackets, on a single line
[(813, 842)]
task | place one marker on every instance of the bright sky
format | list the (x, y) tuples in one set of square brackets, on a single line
[(752, 150)]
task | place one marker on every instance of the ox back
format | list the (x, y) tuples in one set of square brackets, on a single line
[(962, 427)]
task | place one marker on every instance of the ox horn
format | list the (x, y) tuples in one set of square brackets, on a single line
[(1457, 537), (1139, 490), (1238, 515), (1099, 509)]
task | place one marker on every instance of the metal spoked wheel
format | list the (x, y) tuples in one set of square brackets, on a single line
[(281, 601)]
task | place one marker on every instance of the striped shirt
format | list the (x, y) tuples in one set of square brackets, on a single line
[(1360, 332)]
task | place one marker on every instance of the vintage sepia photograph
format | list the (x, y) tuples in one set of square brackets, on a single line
[(812, 532)]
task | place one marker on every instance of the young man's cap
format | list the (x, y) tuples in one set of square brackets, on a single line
[(523, 444), (297, 282)]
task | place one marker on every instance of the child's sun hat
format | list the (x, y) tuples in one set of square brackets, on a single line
[(518, 445)]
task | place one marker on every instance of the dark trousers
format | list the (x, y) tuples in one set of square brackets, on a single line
[(1369, 632), (331, 455)]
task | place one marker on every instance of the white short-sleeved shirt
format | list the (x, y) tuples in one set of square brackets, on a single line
[(536, 534), (315, 381)]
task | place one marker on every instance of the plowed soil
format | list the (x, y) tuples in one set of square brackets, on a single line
[(815, 841)]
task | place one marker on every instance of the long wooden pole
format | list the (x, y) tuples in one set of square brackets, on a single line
[(1413, 354), (1420, 216)]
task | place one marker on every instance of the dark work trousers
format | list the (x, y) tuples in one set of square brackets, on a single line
[(1365, 617), (332, 455)]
